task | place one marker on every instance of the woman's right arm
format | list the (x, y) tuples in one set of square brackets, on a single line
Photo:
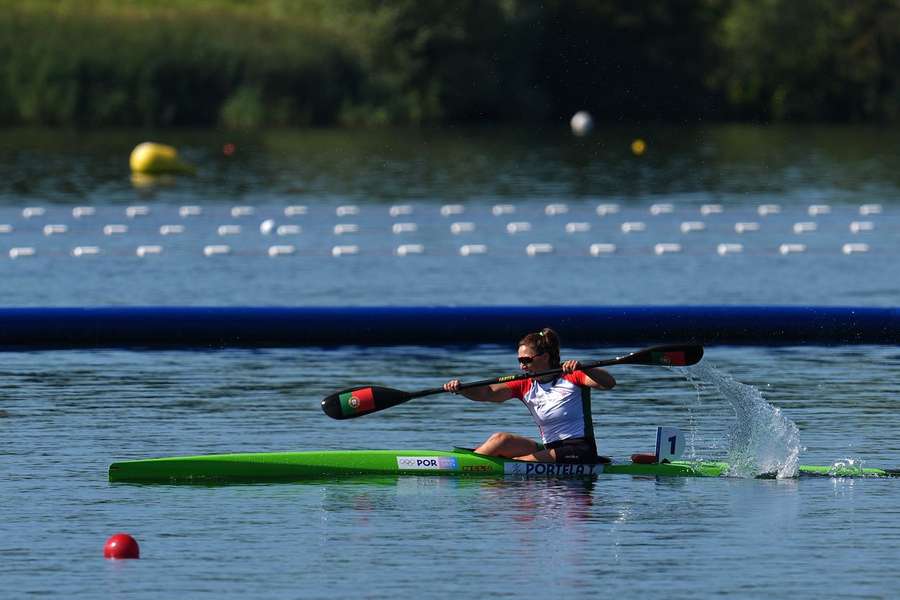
[(497, 392)]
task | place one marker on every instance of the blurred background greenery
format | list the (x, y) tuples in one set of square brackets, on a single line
[(257, 63)]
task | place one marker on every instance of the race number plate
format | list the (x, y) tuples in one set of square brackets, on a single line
[(669, 444)]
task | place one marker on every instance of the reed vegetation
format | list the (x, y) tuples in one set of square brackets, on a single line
[(104, 62)]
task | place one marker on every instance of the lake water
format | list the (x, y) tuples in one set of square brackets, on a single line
[(67, 415), (692, 221)]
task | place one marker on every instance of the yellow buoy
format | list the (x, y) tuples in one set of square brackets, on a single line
[(638, 146), (157, 159)]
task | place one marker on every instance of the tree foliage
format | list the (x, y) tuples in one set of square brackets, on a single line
[(252, 63)]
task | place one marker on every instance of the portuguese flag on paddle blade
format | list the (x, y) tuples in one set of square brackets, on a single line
[(675, 359), (357, 401)]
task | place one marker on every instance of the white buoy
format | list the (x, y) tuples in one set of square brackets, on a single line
[(407, 249), (242, 211), (452, 209), (535, 249), (148, 250), (764, 210), (580, 227), (854, 248), (607, 209), (661, 208), (295, 210), (345, 228), (860, 226), (805, 227), (581, 123), (690, 226), (398, 228), (666, 248), (710, 209), (137, 211), (21, 252), (189, 211), (400, 209), (723, 249), (347, 210), (6, 228), (216, 250), (85, 251), (171, 229), (288, 230), (267, 226), (55, 229), (633, 226), (115, 229), (503, 209), (348, 250), (518, 227), (870, 209), (33, 211), (472, 249), (462, 227), (229, 230), (745, 227), (791, 248), (557, 208), (601, 249), (815, 210), (281, 250), (83, 211)]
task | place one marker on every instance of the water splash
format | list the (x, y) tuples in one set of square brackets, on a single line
[(762, 439), (847, 467)]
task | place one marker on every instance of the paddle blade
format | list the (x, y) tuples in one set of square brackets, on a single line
[(358, 401), (672, 355)]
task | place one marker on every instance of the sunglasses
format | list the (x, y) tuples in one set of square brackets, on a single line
[(527, 360)]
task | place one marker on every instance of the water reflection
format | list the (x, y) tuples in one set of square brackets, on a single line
[(520, 500)]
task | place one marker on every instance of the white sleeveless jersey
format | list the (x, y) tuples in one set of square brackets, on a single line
[(561, 408)]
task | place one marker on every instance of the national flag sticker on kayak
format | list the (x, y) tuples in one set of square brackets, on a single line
[(357, 401)]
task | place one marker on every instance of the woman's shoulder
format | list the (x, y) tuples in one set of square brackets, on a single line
[(520, 387), (578, 378)]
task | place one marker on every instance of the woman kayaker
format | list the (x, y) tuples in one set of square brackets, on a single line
[(559, 404)]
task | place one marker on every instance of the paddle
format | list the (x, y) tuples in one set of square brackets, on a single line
[(361, 400)]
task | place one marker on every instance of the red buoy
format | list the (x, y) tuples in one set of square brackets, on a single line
[(121, 545)]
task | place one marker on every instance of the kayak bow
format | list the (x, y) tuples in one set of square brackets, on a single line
[(301, 466)]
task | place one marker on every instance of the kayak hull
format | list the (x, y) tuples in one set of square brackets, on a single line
[(301, 466)]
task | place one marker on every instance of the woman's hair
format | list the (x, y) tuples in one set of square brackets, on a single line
[(545, 340)]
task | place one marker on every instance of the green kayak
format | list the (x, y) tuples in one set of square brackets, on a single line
[(301, 466)]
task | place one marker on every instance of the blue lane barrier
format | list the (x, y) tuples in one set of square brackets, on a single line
[(219, 327)]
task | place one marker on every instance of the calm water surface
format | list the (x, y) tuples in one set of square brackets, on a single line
[(70, 414), (67, 415)]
